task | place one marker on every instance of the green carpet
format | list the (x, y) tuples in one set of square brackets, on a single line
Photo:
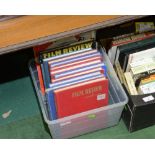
[(25, 120), (29, 128), (18, 96), (120, 132)]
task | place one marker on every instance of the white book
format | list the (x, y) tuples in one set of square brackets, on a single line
[(142, 62), (140, 56), (112, 54), (116, 55), (130, 83), (143, 68)]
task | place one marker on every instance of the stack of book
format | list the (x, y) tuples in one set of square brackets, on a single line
[(131, 50), (73, 78), (134, 61)]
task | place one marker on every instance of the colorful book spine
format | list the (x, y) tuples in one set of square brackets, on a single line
[(49, 71), (132, 38), (74, 67), (76, 79), (102, 65), (71, 58), (75, 82), (76, 63), (46, 74), (53, 80)]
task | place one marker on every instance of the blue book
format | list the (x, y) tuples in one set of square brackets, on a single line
[(46, 84), (51, 105), (46, 76)]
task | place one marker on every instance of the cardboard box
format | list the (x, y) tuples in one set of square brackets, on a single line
[(139, 112)]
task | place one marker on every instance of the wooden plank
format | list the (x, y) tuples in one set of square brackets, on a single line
[(20, 31), (32, 27)]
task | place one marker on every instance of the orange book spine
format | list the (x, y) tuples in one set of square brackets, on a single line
[(36, 50)]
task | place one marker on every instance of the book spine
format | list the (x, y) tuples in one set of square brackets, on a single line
[(118, 72), (53, 80), (80, 62), (143, 68), (75, 82), (46, 73), (51, 105), (112, 54), (78, 70), (116, 56), (83, 77), (44, 76), (71, 58), (39, 71), (104, 67), (75, 67), (133, 38), (40, 77), (125, 62), (129, 62), (121, 74), (130, 83)]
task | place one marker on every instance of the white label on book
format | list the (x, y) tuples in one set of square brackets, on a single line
[(147, 88), (148, 98), (101, 97)]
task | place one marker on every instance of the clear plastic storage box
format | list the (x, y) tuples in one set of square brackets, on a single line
[(91, 120)]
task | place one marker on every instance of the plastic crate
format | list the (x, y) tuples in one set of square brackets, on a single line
[(91, 120)]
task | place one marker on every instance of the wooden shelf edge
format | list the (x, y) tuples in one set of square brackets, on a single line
[(34, 42)]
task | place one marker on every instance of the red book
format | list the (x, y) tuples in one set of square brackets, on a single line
[(36, 50), (81, 97)]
